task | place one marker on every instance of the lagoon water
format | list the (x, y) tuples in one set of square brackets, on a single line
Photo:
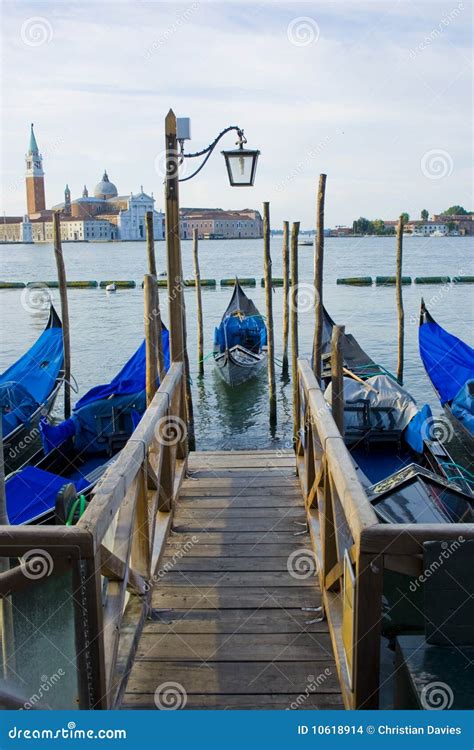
[(107, 328)]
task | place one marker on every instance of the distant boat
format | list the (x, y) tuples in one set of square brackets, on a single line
[(438, 233), (77, 452), (306, 242), (449, 364), (28, 390), (240, 341), (111, 288)]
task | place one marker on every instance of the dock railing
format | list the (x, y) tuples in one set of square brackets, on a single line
[(353, 549), (74, 598)]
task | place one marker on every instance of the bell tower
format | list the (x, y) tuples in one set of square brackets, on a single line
[(35, 199), (67, 201)]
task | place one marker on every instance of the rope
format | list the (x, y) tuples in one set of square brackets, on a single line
[(78, 502)]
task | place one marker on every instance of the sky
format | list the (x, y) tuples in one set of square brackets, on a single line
[(374, 94)]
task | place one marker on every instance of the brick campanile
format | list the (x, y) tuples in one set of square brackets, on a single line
[(35, 199)]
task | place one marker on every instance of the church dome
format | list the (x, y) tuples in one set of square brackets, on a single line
[(105, 189)]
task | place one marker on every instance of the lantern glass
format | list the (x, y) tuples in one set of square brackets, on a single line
[(241, 166)]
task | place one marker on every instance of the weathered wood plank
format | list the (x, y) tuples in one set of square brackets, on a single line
[(205, 580), (234, 677), (282, 702), (234, 620), (225, 564), (203, 514), (229, 524), (275, 647), (196, 489), (184, 597), (240, 551), (262, 479), (200, 502), (250, 537)]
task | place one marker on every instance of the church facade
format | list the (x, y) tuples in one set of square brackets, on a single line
[(103, 216)]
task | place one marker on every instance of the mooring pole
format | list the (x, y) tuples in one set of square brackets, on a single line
[(318, 280), (286, 287), (294, 327), (337, 377), (197, 281), (156, 311), (58, 254), (149, 286), (399, 294), (175, 278), (269, 313)]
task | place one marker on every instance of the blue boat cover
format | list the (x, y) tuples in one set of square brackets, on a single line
[(130, 379), (448, 361), (29, 381), (32, 492), (249, 332), (463, 406)]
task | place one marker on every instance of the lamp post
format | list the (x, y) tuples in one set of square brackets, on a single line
[(241, 164)]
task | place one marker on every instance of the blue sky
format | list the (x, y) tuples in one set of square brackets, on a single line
[(375, 94)]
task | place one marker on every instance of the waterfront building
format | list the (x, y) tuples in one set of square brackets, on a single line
[(216, 223)]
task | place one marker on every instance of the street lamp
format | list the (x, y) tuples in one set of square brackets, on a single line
[(241, 162)]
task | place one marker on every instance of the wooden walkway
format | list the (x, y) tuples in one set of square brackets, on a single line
[(231, 624)]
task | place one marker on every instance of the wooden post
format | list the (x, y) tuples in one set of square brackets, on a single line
[(286, 287), (149, 285), (58, 254), (197, 278), (173, 251), (294, 326), (158, 341), (399, 294), (150, 244), (269, 313), (318, 280), (337, 378)]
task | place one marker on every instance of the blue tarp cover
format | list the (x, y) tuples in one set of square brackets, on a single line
[(249, 332), (36, 372), (130, 379), (449, 361), (463, 406), (32, 492)]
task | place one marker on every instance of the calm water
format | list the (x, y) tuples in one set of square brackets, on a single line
[(106, 329)]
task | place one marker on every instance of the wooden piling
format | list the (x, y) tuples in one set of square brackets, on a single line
[(337, 377), (286, 288), (157, 333), (269, 313), (175, 277), (58, 254), (149, 286), (294, 326), (197, 281), (150, 244), (399, 296), (318, 279)]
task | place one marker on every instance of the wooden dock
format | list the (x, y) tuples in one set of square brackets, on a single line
[(231, 624)]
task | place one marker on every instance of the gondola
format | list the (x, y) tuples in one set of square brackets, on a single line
[(408, 477), (77, 452), (449, 364), (28, 390), (240, 341)]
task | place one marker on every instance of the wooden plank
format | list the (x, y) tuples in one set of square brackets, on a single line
[(197, 489), (184, 597), (277, 647), (237, 461), (225, 564), (254, 501), (259, 479), (229, 677), (234, 620), (203, 514), (226, 525), (238, 551), (250, 537), (295, 701), (204, 580)]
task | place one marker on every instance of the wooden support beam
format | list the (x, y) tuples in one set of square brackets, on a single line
[(58, 254), (318, 280), (399, 294), (367, 626), (294, 326), (149, 291), (150, 244), (267, 260), (197, 279), (286, 291), (337, 378)]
